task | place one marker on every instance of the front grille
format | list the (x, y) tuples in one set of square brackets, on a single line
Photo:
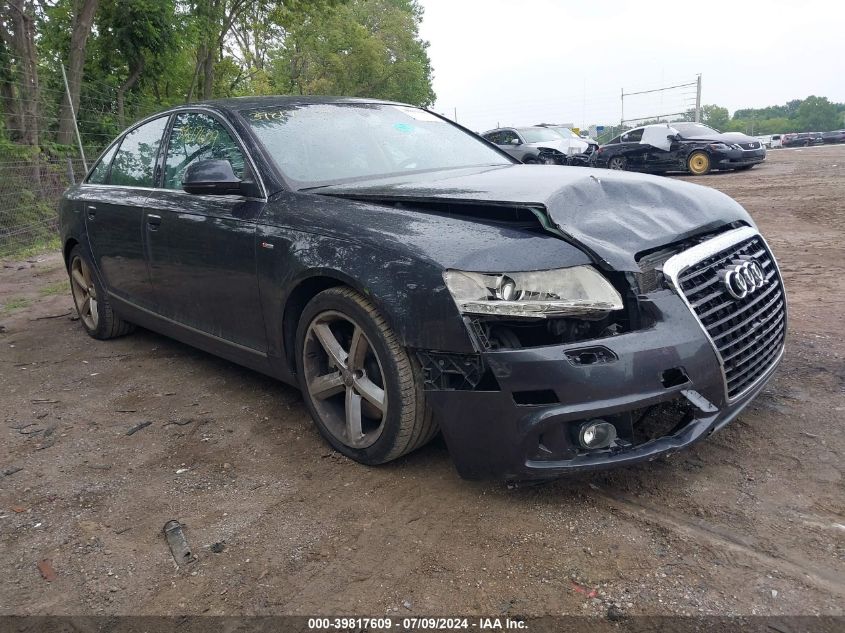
[(750, 145), (748, 333)]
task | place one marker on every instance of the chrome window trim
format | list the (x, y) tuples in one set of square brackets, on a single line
[(677, 264)]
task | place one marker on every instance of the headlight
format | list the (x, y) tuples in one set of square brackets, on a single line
[(580, 291), (719, 147)]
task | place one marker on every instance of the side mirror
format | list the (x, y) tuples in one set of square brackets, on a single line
[(211, 177), (516, 141)]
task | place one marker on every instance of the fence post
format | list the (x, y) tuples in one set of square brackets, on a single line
[(70, 175), (73, 114)]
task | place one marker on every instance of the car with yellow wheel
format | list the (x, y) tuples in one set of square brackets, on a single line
[(680, 147)]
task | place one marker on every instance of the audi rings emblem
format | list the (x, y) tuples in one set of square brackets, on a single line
[(742, 277)]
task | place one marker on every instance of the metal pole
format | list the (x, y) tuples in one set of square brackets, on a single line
[(622, 119), (698, 99), (75, 126), (456, 114)]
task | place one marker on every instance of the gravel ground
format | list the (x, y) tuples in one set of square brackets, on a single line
[(752, 521)]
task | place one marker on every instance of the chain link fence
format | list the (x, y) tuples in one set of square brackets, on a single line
[(30, 191)]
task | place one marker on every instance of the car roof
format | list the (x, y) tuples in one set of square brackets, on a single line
[(267, 101)]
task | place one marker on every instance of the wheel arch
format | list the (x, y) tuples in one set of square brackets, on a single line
[(69, 245), (308, 286)]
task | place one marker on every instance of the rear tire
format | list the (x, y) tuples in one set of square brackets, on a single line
[(96, 314), (698, 163), (530, 161), (359, 384), (618, 163)]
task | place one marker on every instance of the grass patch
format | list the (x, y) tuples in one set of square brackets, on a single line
[(17, 304), (16, 252), (60, 288)]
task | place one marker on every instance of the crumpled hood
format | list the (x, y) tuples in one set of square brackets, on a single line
[(612, 215), (724, 137), (560, 145)]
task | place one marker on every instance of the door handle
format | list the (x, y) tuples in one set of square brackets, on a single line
[(153, 221), (92, 211)]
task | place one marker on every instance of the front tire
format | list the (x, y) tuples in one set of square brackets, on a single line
[(698, 163), (362, 389), (91, 300)]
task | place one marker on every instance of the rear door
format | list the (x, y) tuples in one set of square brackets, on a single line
[(201, 248), (115, 195), (634, 151)]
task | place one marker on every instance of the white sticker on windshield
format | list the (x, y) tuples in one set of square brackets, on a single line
[(416, 113)]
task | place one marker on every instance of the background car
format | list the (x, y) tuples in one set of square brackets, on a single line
[(802, 139), (531, 145), (834, 136), (680, 146), (776, 141), (576, 143)]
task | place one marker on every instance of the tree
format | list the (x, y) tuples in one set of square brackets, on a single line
[(18, 32), (82, 21), (363, 48), (817, 114), (135, 37)]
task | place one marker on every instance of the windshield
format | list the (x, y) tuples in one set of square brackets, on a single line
[(538, 134), (319, 144), (565, 132), (693, 129)]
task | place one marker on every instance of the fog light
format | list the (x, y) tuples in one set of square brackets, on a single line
[(597, 434)]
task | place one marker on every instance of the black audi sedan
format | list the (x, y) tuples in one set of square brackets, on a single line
[(411, 278), (680, 146)]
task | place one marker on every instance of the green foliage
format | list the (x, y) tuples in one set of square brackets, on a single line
[(361, 48)]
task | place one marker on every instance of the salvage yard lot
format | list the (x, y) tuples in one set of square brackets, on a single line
[(750, 521)]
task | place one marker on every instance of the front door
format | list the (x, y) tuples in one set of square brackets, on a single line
[(115, 196), (201, 248)]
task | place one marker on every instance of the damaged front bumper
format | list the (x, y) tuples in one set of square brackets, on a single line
[(662, 388), (738, 158)]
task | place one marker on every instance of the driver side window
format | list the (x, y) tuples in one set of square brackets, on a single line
[(509, 138), (197, 137)]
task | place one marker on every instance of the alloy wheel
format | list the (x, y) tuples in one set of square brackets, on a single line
[(345, 380), (617, 162), (84, 292), (699, 163)]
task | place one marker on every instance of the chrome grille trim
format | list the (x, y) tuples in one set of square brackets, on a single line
[(745, 357)]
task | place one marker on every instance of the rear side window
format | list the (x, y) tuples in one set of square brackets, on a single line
[(133, 164), (634, 136), (100, 173), (196, 137)]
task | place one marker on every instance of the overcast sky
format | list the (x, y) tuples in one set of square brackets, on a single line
[(521, 62)]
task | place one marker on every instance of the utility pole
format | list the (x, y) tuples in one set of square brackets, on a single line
[(698, 99), (75, 126), (456, 114), (622, 109)]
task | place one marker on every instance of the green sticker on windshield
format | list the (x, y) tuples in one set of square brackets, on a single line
[(404, 127)]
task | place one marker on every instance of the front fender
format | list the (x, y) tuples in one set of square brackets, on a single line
[(409, 292)]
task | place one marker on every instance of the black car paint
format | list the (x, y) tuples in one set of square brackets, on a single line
[(229, 274), (646, 158)]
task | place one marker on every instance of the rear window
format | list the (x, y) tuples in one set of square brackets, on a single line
[(133, 163)]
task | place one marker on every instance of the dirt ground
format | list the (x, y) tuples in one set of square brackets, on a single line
[(752, 521)]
